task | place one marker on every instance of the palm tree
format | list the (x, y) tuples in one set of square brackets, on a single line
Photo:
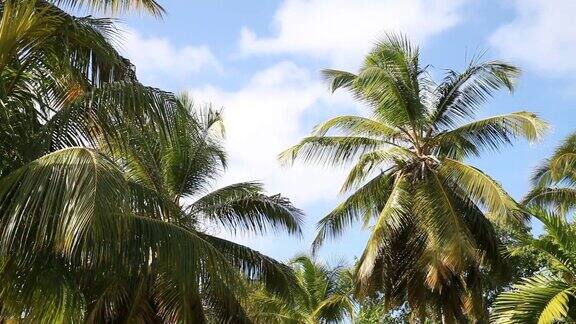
[(323, 295), (105, 186), (555, 180), (548, 296), (432, 214), (116, 234)]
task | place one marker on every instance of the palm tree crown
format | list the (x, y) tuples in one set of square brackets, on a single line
[(548, 296), (431, 213), (323, 295), (555, 179)]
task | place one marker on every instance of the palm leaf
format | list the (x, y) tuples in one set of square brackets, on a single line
[(243, 207), (482, 189), (362, 204), (541, 297), (492, 132), (461, 94), (114, 6), (390, 219), (330, 150)]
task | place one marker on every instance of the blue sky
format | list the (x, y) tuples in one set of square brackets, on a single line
[(260, 61)]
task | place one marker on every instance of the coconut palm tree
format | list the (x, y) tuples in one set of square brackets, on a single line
[(323, 295), (115, 234), (555, 180), (105, 185), (431, 213), (548, 296)]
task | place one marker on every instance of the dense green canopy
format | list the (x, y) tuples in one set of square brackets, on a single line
[(106, 185)]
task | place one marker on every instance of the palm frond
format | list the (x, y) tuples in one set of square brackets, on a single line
[(390, 219), (562, 199), (114, 6), (243, 207), (338, 79), (542, 297), (330, 150), (387, 159), (275, 276), (492, 132), (68, 201), (461, 94), (362, 204), (483, 190), (357, 126)]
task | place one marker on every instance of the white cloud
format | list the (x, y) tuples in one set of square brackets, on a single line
[(344, 30), (542, 35), (157, 58), (262, 119)]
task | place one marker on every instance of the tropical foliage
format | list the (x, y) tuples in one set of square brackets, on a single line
[(323, 295), (555, 180), (432, 215), (108, 195), (106, 185), (548, 296)]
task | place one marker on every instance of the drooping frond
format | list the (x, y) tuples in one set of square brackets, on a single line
[(114, 6), (484, 190), (390, 219), (562, 199), (362, 204), (435, 205), (273, 275), (338, 79), (68, 201), (243, 207)]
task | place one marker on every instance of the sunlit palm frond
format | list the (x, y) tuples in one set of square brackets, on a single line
[(358, 126), (338, 79), (484, 190), (378, 160), (243, 207), (492, 132), (541, 299), (461, 94), (330, 150), (71, 200), (363, 204), (390, 219), (114, 6)]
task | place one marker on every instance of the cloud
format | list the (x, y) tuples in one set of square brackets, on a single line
[(542, 35), (343, 30), (263, 118), (268, 114), (156, 58)]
